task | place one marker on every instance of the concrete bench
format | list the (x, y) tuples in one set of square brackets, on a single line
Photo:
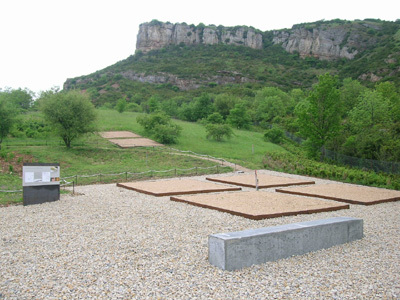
[(236, 250)]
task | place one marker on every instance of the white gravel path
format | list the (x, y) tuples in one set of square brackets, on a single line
[(113, 243)]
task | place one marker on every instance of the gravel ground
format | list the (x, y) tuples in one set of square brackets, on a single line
[(113, 243)]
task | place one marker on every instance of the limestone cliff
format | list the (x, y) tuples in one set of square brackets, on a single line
[(156, 35), (325, 42)]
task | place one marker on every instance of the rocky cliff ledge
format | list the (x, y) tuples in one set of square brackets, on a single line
[(156, 35), (331, 43), (326, 42)]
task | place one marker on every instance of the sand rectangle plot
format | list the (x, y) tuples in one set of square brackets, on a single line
[(264, 181), (259, 205), (137, 142), (176, 187), (346, 193), (118, 134)]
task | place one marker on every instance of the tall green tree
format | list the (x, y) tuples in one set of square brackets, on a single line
[(349, 92), (224, 103), (371, 109), (272, 102), (239, 117), (22, 99), (70, 113), (319, 114), (203, 106), (389, 92)]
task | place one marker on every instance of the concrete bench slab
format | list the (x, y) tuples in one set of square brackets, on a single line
[(236, 250)]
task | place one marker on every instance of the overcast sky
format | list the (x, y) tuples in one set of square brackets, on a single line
[(44, 42)]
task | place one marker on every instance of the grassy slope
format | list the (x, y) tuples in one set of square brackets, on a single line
[(238, 149)]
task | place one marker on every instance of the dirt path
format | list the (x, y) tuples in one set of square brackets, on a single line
[(234, 166)]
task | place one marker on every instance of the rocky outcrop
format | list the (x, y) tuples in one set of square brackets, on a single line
[(156, 35), (321, 41), (326, 44), (223, 77)]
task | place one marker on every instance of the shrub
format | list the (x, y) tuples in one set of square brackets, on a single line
[(134, 107), (121, 105), (167, 134), (149, 122), (215, 118), (218, 131), (274, 135), (160, 126)]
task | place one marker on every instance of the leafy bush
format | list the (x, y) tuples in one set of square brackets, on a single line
[(239, 117), (167, 133), (121, 105), (218, 131), (134, 107), (160, 126), (274, 135), (149, 122), (215, 118)]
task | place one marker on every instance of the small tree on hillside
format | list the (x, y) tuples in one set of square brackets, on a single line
[(71, 114), (238, 116), (160, 126), (218, 131), (215, 118), (121, 105)]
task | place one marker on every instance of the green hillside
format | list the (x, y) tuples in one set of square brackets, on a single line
[(242, 70)]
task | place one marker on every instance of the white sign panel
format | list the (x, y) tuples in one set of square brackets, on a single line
[(40, 175)]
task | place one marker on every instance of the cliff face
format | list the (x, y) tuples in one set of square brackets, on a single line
[(330, 43), (155, 36), (323, 42)]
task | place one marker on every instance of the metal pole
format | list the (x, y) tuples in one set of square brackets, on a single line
[(255, 172)]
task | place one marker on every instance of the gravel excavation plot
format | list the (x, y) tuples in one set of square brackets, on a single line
[(259, 205), (176, 187), (137, 142), (118, 134), (264, 180), (112, 243), (353, 194)]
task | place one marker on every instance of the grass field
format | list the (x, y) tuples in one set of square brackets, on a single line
[(245, 147), (95, 155)]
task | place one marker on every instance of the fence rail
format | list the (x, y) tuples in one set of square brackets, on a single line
[(364, 163), (357, 162), (102, 177)]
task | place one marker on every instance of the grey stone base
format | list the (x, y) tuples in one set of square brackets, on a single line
[(40, 194), (236, 250)]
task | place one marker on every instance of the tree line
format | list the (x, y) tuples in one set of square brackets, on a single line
[(343, 116)]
